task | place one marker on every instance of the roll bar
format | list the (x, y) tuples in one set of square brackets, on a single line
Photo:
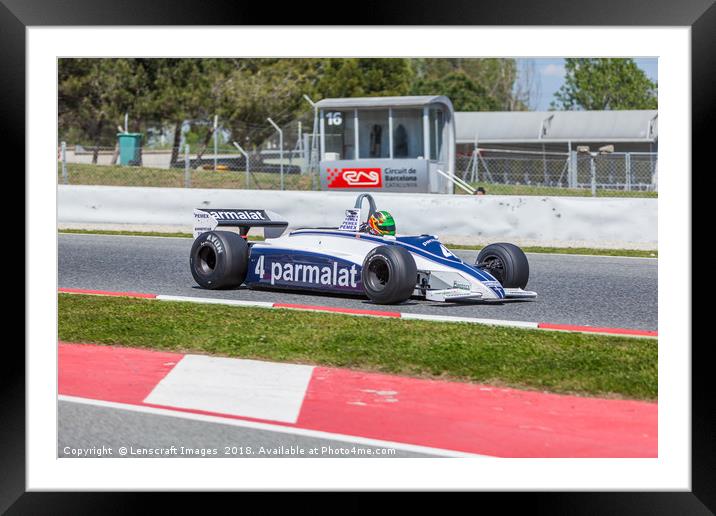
[(371, 203)]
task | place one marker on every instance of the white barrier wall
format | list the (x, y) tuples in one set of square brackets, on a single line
[(528, 220)]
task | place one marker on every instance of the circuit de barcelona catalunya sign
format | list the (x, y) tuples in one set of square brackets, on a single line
[(395, 175)]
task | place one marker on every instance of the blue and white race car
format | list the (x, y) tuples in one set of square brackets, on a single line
[(344, 260)]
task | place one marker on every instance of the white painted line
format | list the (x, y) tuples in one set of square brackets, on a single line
[(450, 318), (64, 232), (594, 256), (271, 428), (403, 315), (237, 387), (215, 301)]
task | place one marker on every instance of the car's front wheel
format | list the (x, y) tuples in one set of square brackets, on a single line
[(219, 259), (389, 275), (507, 263)]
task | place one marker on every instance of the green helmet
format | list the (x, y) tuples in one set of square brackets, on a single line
[(382, 223)]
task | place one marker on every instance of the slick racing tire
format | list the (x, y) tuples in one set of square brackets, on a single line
[(389, 275), (507, 263), (219, 259)]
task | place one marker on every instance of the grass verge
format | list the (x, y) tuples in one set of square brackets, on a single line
[(508, 189), (636, 253), (115, 175), (553, 361)]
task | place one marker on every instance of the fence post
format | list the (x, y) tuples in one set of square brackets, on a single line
[(593, 167), (313, 159), (187, 168), (627, 167), (65, 176), (246, 157), (216, 141), (280, 144), (573, 164)]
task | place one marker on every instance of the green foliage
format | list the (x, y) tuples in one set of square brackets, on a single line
[(162, 94), (255, 89), (363, 77), (465, 93), (597, 84), (493, 80), (94, 94)]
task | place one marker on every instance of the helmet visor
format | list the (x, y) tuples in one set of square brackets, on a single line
[(387, 230)]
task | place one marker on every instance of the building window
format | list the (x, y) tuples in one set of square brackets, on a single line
[(437, 126), (339, 133), (408, 133), (373, 134)]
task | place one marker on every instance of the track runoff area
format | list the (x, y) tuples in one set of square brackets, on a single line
[(282, 409)]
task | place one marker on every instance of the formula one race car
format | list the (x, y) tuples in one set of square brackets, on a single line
[(344, 260)]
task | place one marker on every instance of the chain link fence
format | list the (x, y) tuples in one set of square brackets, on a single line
[(206, 154), (512, 172), (202, 156)]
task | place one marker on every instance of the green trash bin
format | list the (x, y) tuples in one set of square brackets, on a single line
[(130, 145)]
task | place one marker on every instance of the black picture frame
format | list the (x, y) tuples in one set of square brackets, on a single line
[(700, 15)]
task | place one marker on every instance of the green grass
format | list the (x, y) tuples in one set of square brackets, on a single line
[(552, 361), (506, 189), (635, 253), (638, 253), (114, 175)]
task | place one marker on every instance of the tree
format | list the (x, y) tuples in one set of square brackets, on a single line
[(465, 93), (94, 94), (599, 84), (256, 89), (366, 77), (183, 89), (494, 78)]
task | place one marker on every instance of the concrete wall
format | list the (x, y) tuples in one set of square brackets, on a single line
[(528, 220)]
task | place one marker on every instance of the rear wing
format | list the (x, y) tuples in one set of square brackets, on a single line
[(210, 219)]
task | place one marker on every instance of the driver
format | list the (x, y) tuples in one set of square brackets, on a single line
[(380, 223)]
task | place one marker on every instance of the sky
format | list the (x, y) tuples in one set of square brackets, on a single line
[(550, 73)]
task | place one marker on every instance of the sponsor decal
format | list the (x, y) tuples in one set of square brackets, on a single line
[(203, 222), (463, 286), (282, 273), (238, 214), (354, 178), (217, 243), (352, 220), (453, 292)]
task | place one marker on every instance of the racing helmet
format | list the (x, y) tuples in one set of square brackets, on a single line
[(381, 223)]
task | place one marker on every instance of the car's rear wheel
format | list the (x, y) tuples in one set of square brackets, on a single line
[(389, 275), (219, 259), (507, 263)]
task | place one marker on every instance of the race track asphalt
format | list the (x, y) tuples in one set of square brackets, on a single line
[(580, 290)]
